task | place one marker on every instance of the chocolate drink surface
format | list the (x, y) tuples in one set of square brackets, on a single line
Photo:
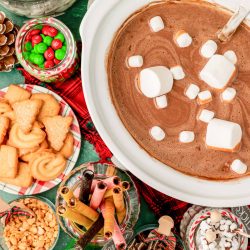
[(201, 21)]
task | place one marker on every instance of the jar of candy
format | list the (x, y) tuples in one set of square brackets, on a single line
[(37, 8), (46, 48)]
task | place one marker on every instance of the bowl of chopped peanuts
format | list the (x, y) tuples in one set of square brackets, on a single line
[(38, 230)]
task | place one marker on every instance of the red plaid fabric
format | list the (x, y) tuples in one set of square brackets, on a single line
[(71, 91)]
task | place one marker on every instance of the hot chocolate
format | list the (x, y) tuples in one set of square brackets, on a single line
[(181, 94)]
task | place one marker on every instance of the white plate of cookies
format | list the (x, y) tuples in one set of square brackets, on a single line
[(40, 139)]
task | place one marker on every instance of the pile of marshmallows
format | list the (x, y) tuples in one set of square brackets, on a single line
[(218, 233), (156, 82)]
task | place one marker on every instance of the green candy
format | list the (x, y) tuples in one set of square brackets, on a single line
[(28, 46), (60, 54), (41, 66), (64, 48), (38, 27), (38, 59), (48, 40), (41, 48), (31, 57), (33, 51), (26, 55), (60, 36), (42, 35)]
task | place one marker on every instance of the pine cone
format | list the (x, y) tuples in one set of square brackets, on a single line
[(8, 33)]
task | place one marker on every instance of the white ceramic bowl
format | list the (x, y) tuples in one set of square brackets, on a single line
[(97, 31)]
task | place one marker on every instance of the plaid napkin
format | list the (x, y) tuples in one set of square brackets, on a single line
[(71, 91)]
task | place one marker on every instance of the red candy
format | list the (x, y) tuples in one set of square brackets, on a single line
[(45, 30), (49, 64), (34, 32), (28, 37), (52, 31), (56, 44), (56, 61), (49, 54), (36, 39)]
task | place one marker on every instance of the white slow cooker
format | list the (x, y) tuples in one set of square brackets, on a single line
[(97, 31)]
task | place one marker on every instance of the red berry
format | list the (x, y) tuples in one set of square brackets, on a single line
[(56, 61), (45, 30), (34, 32), (56, 44), (36, 39), (49, 54), (49, 64), (52, 31), (28, 37)]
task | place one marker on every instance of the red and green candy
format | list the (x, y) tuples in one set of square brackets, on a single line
[(44, 46)]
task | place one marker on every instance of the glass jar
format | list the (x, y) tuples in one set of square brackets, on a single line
[(37, 8), (60, 72)]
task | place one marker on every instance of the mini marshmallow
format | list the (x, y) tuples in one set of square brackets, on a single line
[(233, 226), (192, 91), (161, 102), (231, 56), (206, 115), (135, 61), (183, 39), (212, 246), (228, 94), (209, 48), (186, 136), (218, 72), (223, 135), (204, 97), (155, 81), (210, 235), (204, 226), (157, 133), (156, 23), (239, 167), (216, 217), (228, 222), (178, 72), (223, 222)]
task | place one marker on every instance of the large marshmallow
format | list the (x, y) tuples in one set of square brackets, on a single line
[(223, 135), (218, 72), (204, 97), (155, 81), (135, 61), (183, 39), (208, 49), (157, 133), (186, 136), (239, 167), (156, 23), (192, 91), (206, 115), (161, 102), (177, 72), (231, 56), (228, 94)]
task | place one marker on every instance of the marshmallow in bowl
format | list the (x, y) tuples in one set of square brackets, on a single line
[(156, 24), (206, 115), (192, 91), (204, 97), (161, 102), (157, 133), (210, 235), (208, 49), (228, 94), (183, 39), (223, 135), (239, 167), (231, 56), (178, 72), (186, 136), (135, 61), (218, 72), (155, 81), (215, 217)]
